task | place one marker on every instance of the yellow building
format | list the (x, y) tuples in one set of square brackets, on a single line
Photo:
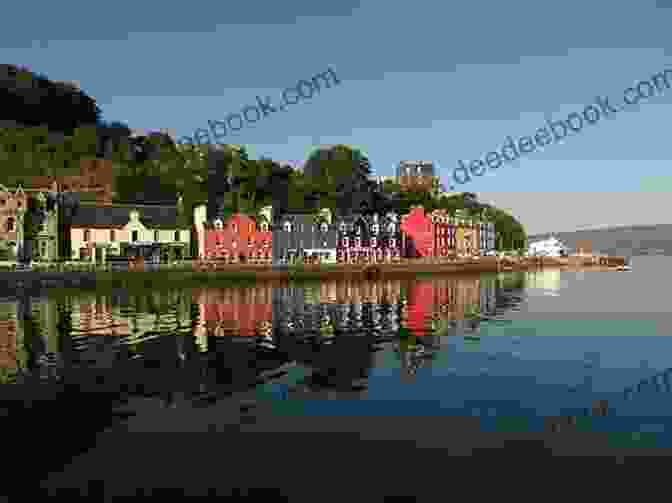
[(153, 231)]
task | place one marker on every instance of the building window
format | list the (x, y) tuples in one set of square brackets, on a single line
[(134, 236), (234, 227), (288, 227), (219, 224), (10, 224), (251, 226), (112, 236), (2, 202), (156, 235), (177, 235), (87, 235), (264, 227), (324, 227), (234, 244)]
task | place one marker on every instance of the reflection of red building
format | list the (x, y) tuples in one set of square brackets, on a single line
[(238, 236), (419, 307), (418, 228), (446, 299), (8, 344), (97, 319), (235, 311)]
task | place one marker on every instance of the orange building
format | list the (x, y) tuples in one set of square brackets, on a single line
[(10, 220)]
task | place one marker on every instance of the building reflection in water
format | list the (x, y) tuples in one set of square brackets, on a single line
[(94, 330)]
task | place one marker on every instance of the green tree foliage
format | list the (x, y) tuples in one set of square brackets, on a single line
[(34, 151), (339, 178)]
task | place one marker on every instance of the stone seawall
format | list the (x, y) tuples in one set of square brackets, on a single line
[(18, 283)]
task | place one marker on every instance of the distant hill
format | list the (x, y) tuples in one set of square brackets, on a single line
[(620, 241)]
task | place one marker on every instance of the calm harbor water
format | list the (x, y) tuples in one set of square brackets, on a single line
[(550, 352)]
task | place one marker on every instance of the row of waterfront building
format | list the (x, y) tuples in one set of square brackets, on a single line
[(162, 233), (328, 238), (100, 229)]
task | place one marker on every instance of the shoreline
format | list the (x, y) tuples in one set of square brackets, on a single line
[(193, 275)]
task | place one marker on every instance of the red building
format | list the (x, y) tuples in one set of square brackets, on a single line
[(418, 232), (238, 239)]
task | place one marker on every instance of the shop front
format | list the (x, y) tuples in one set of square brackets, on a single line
[(320, 255), (96, 253), (145, 251), (172, 252)]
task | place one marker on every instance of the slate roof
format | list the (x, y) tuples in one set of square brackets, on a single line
[(151, 216)]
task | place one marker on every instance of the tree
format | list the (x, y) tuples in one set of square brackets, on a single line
[(342, 174), (31, 99)]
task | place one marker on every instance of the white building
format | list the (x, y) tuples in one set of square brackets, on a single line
[(550, 247)]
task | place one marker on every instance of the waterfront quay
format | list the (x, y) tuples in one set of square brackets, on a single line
[(198, 271)]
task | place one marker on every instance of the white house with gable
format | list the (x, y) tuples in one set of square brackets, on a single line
[(551, 247)]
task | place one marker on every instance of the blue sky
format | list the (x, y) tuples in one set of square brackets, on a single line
[(429, 80)]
